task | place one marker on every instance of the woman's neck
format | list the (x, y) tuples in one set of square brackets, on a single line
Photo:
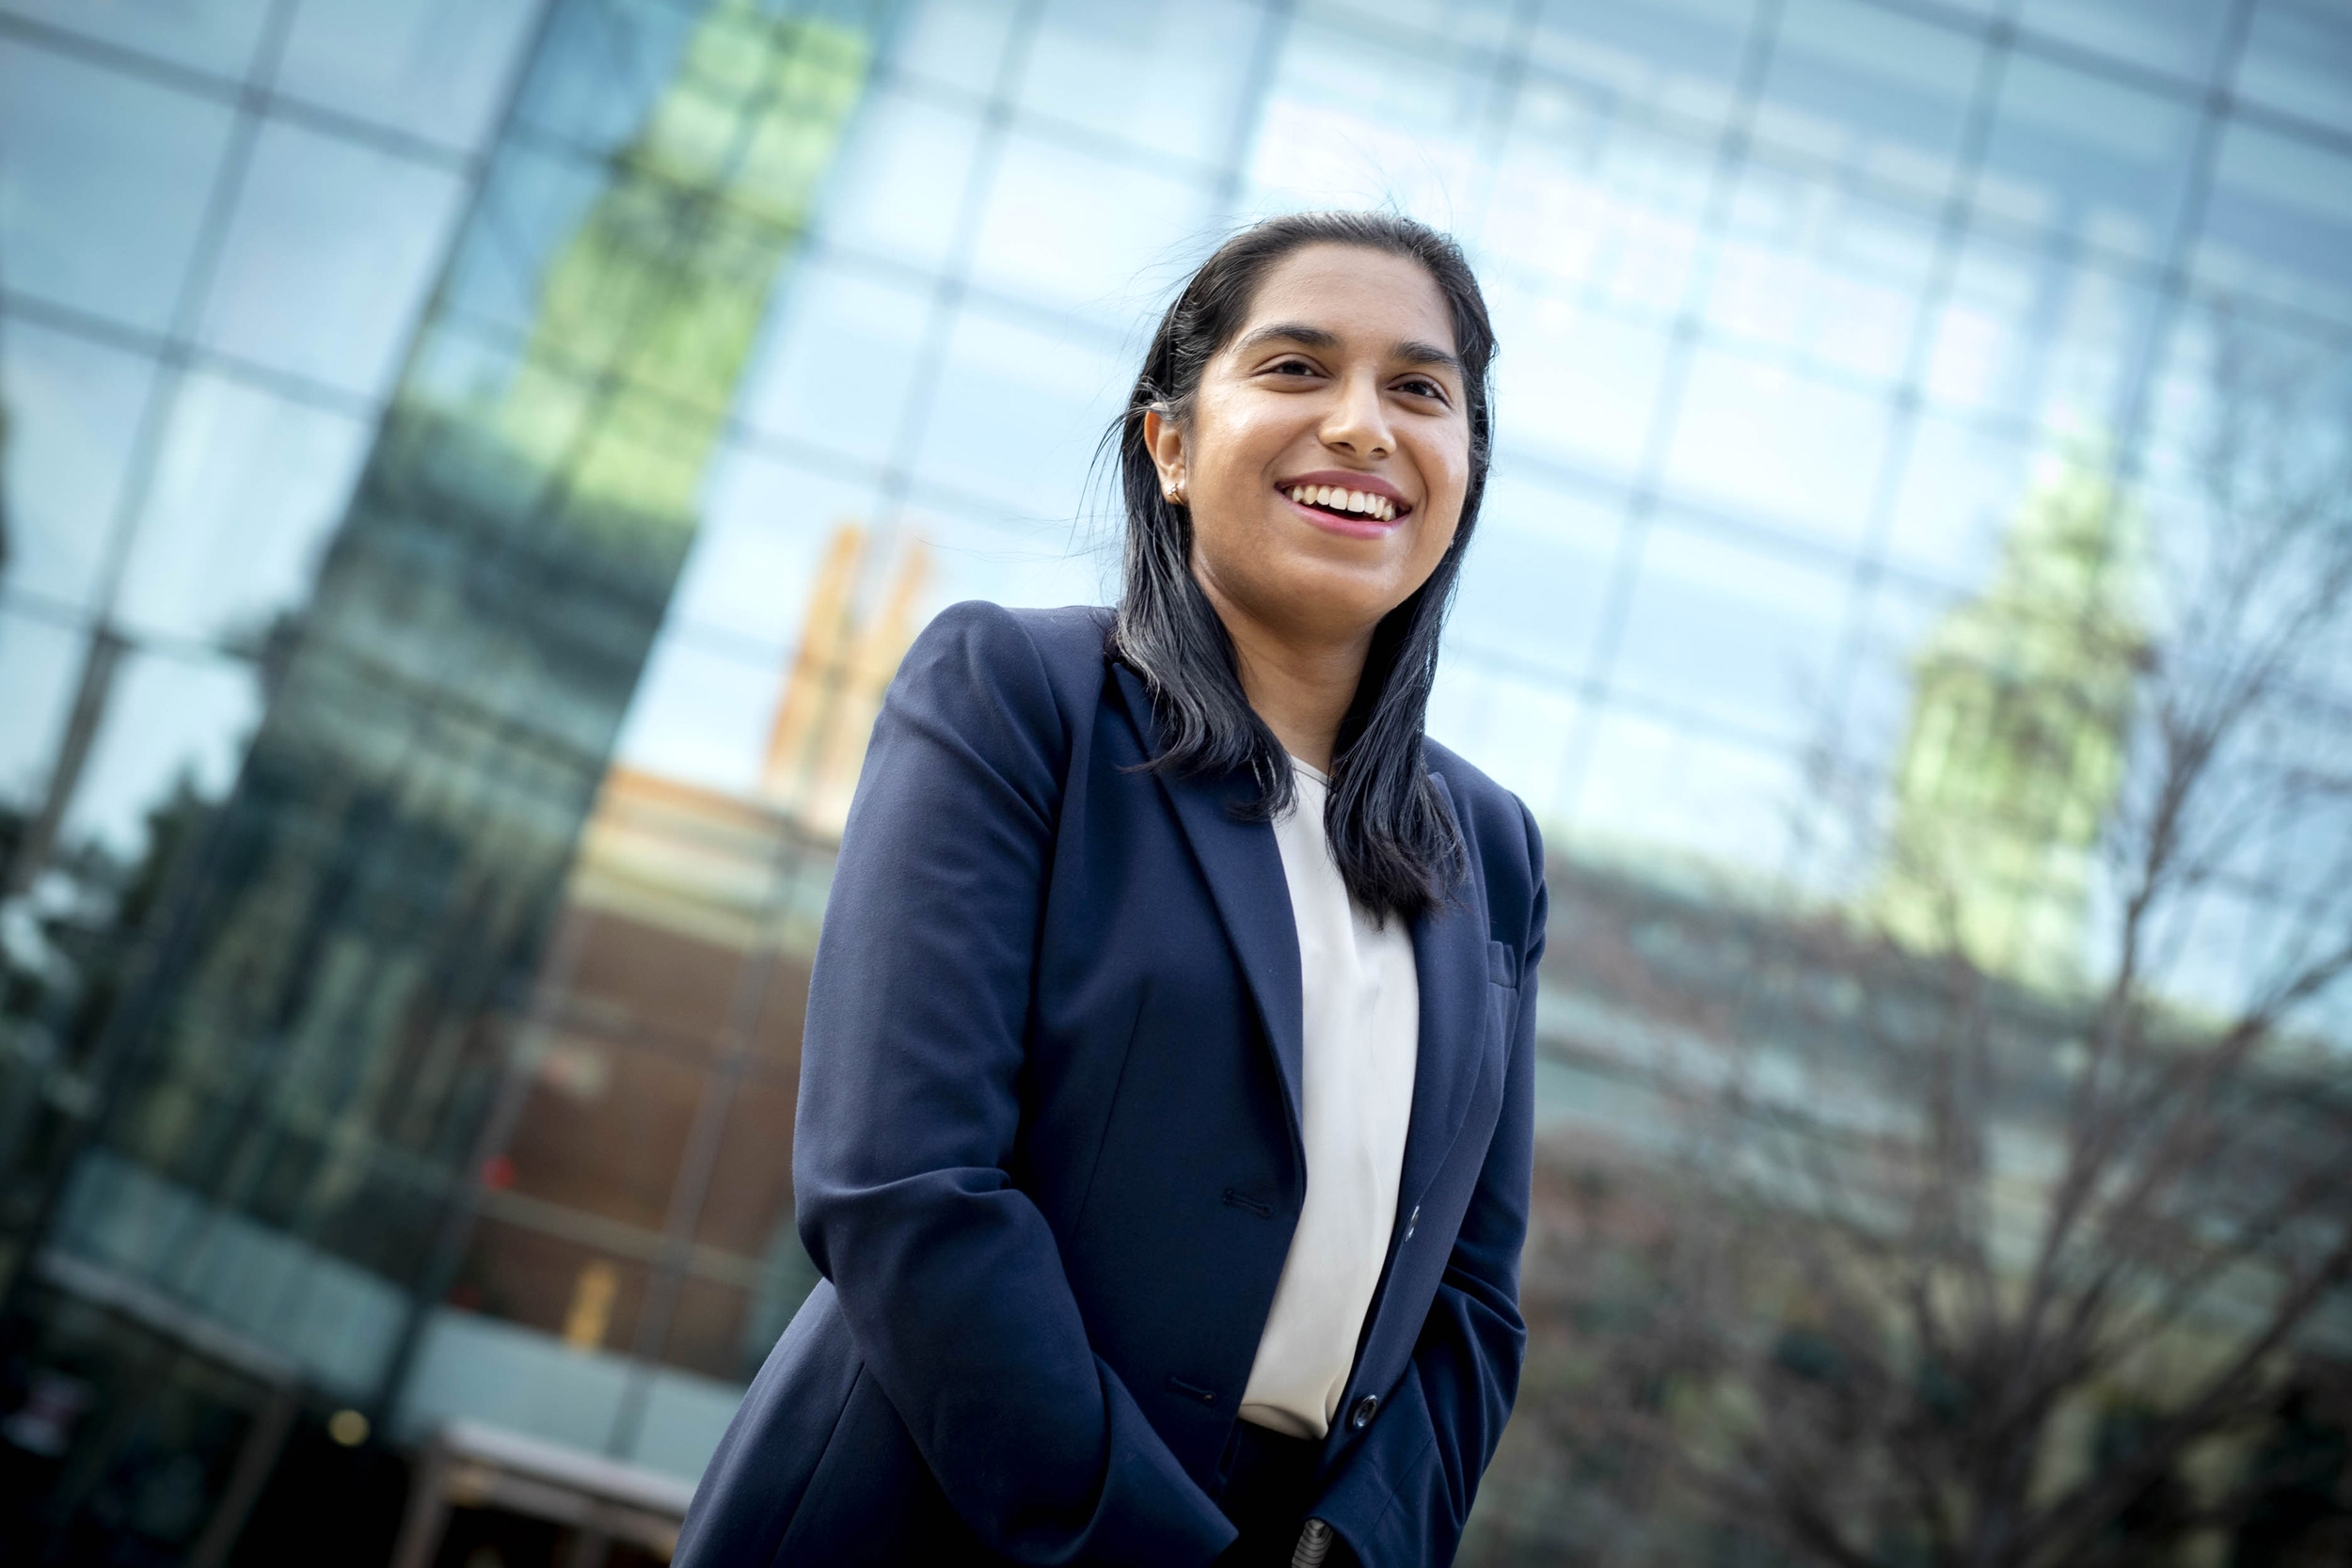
[(1300, 683)]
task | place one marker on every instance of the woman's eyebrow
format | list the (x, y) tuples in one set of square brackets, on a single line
[(1291, 332), (1412, 350)]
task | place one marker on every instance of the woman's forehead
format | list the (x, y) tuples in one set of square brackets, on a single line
[(1366, 298)]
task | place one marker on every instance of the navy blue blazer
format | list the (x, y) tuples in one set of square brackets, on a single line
[(1048, 1160)]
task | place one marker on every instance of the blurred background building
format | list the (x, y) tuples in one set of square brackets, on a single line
[(468, 472)]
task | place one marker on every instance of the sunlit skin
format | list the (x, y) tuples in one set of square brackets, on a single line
[(1345, 372)]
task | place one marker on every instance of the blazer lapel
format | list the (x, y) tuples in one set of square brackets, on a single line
[(1243, 869), (1450, 955)]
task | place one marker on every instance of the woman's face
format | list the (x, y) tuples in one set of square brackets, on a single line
[(1328, 449)]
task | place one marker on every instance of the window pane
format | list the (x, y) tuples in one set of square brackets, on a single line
[(1869, 90), (1615, 206), (2077, 157), (900, 185), (1330, 135), (211, 35), (327, 258), (757, 557), (606, 1123), (1654, 786), (1778, 446), (2279, 222), (584, 1298), (1521, 731), (534, 200), (601, 65), (40, 662), (1098, 236), (1537, 576), (2298, 57), (1820, 273), (837, 363), (700, 714), (2174, 36), (104, 186), (72, 410), (1960, 489), (1163, 78), (169, 719), (1478, 22), (748, 1209), (1743, 635), (1035, 561), (1682, 55), (2029, 340), (1016, 414), (424, 67), (247, 489), (1575, 383), (960, 42)]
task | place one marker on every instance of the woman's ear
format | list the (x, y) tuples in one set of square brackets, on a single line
[(1165, 439)]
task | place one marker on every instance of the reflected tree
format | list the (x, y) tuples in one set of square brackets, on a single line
[(2009, 1220)]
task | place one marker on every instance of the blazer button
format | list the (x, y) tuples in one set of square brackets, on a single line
[(1365, 1408)]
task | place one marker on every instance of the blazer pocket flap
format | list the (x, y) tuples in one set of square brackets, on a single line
[(1503, 965)]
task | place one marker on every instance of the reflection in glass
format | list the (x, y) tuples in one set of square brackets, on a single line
[(1721, 628), (2079, 158), (2279, 222), (902, 178), (325, 1038), (1671, 800), (326, 260), (433, 71), (1154, 77), (213, 36), (1871, 90), (837, 363), (2297, 56), (1683, 56), (1060, 222), (39, 661), (69, 409), (247, 487), (1794, 450), (104, 184), (2177, 37), (1581, 385)]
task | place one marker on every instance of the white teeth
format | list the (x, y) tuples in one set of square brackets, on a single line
[(1363, 502)]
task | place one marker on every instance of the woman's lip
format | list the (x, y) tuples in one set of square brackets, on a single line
[(1351, 525)]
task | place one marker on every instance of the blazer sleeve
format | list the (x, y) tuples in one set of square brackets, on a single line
[(1404, 1495), (947, 1275)]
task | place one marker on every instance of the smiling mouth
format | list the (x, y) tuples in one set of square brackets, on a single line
[(1344, 503)]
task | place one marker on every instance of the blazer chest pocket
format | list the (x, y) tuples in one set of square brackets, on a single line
[(1503, 964)]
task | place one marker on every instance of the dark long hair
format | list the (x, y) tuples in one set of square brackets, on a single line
[(1396, 847)]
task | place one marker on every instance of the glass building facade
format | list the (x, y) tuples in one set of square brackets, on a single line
[(466, 472)]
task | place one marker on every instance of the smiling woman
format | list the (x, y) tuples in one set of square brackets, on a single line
[(1165, 1121)]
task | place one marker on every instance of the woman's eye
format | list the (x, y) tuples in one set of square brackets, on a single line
[(1422, 386), (1293, 367)]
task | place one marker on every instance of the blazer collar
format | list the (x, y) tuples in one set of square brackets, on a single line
[(1244, 870), (1450, 955)]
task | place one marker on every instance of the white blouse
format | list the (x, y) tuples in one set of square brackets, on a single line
[(1362, 1018)]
